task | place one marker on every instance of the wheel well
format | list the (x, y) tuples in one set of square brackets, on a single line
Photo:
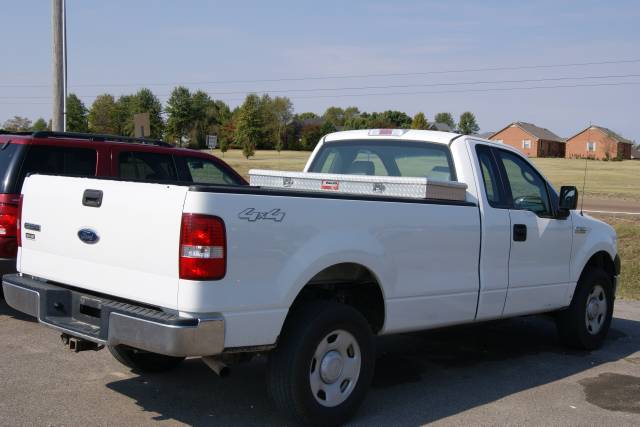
[(348, 283), (601, 260)]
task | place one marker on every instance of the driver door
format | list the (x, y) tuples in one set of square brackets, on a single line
[(540, 251)]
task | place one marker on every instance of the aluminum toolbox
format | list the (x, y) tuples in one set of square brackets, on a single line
[(391, 186)]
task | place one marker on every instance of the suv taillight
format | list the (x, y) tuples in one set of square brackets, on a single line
[(8, 220), (19, 221), (203, 247)]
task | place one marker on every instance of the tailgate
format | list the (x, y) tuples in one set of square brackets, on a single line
[(124, 245)]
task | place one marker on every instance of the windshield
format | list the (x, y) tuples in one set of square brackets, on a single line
[(385, 158)]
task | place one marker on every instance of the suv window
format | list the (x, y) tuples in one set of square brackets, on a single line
[(528, 189), (54, 160), (385, 158), (140, 165), (202, 171), (10, 159)]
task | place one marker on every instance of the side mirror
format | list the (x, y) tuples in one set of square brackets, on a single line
[(568, 199)]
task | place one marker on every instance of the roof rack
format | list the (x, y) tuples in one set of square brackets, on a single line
[(99, 137), (10, 132), (89, 136)]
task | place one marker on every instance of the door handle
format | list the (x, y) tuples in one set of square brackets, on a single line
[(519, 232), (92, 198)]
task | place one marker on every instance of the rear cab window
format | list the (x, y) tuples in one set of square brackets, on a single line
[(386, 158)]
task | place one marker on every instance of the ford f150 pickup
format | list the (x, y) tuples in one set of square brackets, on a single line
[(157, 272)]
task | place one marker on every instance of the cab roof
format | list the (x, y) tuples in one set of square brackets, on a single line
[(403, 135)]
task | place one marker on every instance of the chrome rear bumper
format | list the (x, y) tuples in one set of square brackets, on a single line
[(106, 321)]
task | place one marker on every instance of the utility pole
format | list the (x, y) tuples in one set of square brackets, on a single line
[(57, 121)]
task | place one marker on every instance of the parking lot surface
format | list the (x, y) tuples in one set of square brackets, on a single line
[(511, 372)]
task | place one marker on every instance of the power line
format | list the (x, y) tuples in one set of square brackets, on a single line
[(344, 76), (378, 87), (483, 90)]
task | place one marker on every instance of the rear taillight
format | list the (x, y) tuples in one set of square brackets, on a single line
[(8, 220), (203, 247), (19, 222)]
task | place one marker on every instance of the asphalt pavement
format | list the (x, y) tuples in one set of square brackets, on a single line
[(513, 372)]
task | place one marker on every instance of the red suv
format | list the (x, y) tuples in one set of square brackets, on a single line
[(76, 154)]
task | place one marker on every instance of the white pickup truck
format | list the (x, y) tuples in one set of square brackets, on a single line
[(157, 272)]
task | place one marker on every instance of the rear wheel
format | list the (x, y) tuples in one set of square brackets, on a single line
[(144, 361), (585, 323), (323, 365)]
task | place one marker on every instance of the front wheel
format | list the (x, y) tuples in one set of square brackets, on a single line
[(585, 323), (144, 361), (323, 365)]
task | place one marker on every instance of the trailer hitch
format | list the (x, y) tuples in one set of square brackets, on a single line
[(77, 345)]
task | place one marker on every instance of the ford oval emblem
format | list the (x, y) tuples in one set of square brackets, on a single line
[(88, 236)]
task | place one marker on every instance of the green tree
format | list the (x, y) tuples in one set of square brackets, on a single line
[(350, 113), (468, 124), (76, 115), (282, 110), (180, 114), (17, 124), (226, 136), (40, 125), (359, 121), (399, 119), (445, 118), (379, 121), (103, 115), (310, 136), (334, 115), (327, 128), (250, 126), (123, 115), (305, 116), (419, 121), (205, 118), (144, 101)]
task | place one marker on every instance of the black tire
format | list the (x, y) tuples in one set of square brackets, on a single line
[(143, 361), (572, 323), (290, 364)]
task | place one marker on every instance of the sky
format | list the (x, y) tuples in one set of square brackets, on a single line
[(412, 56)]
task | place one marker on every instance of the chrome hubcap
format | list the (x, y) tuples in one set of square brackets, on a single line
[(596, 310), (331, 367), (335, 368)]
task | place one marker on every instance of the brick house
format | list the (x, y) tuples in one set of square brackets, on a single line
[(531, 140), (599, 143)]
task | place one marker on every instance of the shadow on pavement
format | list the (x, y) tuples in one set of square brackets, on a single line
[(420, 378), (5, 310)]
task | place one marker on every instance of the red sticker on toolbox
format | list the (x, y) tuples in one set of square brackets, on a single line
[(329, 185)]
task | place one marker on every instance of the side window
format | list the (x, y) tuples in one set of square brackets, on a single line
[(528, 189), (203, 171), (491, 177), (59, 161), (141, 165)]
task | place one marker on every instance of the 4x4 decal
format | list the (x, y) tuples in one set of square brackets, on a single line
[(252, 215)]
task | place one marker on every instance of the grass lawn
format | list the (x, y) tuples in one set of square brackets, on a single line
[(628, 229), (264, 159), (614, 180)]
